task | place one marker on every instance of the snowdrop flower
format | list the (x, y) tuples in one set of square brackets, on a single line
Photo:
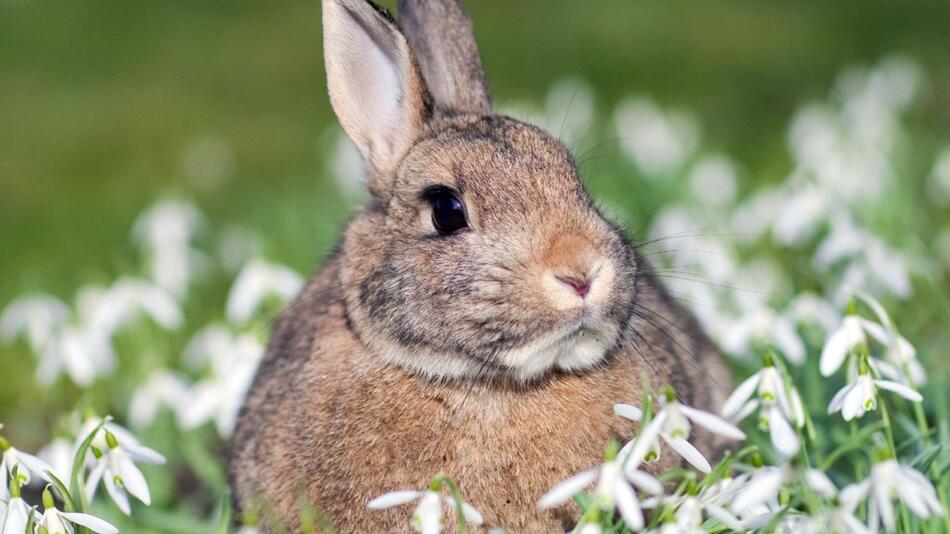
[(764, 325), (162, 388), (14, 514), (657, 142), (690, 508), (256, 281), (126, 300), (890, 479), (569, 109), (38, 317), (57, 522), (615, 482), (860, 396), (130, 444), (59, 454), (119, 474), (672, 423), (840, 518), (899, 351), (763, 486), (19, 465), (164, 231), (427, 517), (778, 408), (712, 181), (849, 335), (234, 360), (82, 352)]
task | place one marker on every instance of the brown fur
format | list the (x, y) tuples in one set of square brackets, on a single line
[(402, 357)]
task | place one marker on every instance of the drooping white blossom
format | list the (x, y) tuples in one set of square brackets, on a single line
[(427, 516), (257, 281), (672, 424), (779, 407)]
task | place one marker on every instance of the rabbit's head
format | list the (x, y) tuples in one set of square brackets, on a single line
[(480, 251)]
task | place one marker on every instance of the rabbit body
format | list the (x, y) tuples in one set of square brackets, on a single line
[(494, 352)]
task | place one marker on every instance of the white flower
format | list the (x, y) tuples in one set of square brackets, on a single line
[(690, 508), (763, 324), (256, 281), (840, 343), (57, 522), (889, 479), (657, 142), (900, 353), (672, 423), (778, 409), (427, 517), (59, 454), (119, 474), (860, 396), (162, 388), (126, 300), (840, 518), (164, 232), (615, 482), (24, 464), (15, 515), (38, 317), (81, 351), (762, 487), (234, 360)]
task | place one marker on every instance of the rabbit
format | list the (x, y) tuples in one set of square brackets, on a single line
[(479, 316)]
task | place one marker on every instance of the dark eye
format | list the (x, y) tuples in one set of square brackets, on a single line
[(448, 212)]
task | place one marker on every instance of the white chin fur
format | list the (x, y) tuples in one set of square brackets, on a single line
[(579, 351)]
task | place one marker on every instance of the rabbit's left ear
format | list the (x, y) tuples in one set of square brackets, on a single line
[(442, 37), (375, 85)]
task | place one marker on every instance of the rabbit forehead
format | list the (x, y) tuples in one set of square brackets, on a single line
[(500, 166)]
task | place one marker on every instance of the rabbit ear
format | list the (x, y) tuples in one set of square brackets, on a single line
[(375, 86), (441, 35)]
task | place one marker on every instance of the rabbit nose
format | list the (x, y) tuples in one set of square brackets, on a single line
[(581, 286)]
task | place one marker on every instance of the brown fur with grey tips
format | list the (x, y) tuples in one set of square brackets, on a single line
[(412, 353)]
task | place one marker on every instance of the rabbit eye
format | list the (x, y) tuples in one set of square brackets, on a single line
[(448, 212)]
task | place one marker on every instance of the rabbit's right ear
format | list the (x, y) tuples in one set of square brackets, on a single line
[(375, 86)]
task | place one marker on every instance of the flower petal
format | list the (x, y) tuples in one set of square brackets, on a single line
[(630, 412), (852, 495), (763, 487), (902, 390), (133, 480), (725, 517), (834, 351), (713, 423), (393, 498), (838, 400), (784, 439), (689, 453), (565, 490), (645, 481), (739, 397), (647, 438), (882, 496), (91, 522), (819, 482), (118, 495), (628, 505)]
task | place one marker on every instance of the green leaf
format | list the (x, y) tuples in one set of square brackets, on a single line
[(923, 461), (60, 489), (79, 462), (858, 440)]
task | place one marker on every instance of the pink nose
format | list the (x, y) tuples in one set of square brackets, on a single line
[(581, 287)]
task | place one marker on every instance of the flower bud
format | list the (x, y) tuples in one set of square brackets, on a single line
[(111, 441), (48, 502), (4, 444)]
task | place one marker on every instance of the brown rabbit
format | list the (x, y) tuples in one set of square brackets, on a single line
[(479, 317)]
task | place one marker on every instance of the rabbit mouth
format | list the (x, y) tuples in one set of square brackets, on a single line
[(581, 344)]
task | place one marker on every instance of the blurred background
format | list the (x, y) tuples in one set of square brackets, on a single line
[(696, 117)]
